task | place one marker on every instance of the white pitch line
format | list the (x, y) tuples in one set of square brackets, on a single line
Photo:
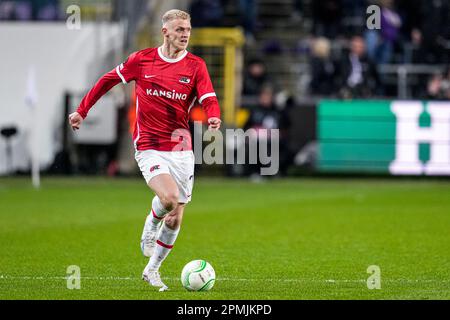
[(64, 278), (7, 277), (335, 281)]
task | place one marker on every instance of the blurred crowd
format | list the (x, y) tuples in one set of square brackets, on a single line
[(412, 32), (344, 56), (341, 55), (420, 26), (26, 10), (438, 87)]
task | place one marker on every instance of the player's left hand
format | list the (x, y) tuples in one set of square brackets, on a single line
[(214, 123), (75, 120)]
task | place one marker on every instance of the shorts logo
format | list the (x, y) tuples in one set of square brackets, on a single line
[(191, 177), (185, 80), (156, 167)]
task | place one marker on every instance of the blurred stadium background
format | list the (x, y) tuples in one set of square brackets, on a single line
[(311, 68), (348, 100)]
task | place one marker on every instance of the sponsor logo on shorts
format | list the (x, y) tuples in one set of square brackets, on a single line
[(156, 167), (191, 176)]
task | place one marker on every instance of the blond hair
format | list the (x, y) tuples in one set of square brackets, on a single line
[(321, 47), (175, 14)]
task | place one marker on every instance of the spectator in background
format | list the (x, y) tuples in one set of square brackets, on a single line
[(322, 68), (206, 13), (327, 16), (248, 10), (354, 15), (438, 87), (427, 25), (16, 10), (266, 116), (435, 31), (355, 8), (297, 12), (356, 75), (46, 10), (446, 84), (25, 10), (411, 37), (255, 77), (380, 43)]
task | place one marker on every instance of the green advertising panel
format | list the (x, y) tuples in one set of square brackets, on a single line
[(396, 137)]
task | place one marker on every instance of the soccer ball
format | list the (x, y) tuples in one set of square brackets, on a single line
[(198, 275)]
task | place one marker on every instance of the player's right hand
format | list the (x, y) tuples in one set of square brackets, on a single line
[(75, 120)]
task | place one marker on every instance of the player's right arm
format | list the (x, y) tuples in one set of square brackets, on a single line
[(124, 72)]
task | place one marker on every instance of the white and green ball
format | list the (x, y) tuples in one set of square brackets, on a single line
[(198, 275)]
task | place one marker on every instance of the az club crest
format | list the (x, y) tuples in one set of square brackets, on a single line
[(185, 80)]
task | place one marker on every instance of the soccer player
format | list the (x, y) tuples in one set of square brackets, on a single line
[(168, 80)]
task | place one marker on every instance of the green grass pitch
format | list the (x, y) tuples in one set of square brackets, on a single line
[(300, 238)]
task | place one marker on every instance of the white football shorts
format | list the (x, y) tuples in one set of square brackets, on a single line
[(179, 164)]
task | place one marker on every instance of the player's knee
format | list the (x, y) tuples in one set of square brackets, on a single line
[(173, 221), (170, 200)]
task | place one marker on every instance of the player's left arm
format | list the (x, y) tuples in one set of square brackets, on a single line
[(207, 97)]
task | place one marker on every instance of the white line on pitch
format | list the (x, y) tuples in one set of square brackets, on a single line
[(6, 277)]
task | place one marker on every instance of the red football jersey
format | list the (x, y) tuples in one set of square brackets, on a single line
[(166, 90)]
